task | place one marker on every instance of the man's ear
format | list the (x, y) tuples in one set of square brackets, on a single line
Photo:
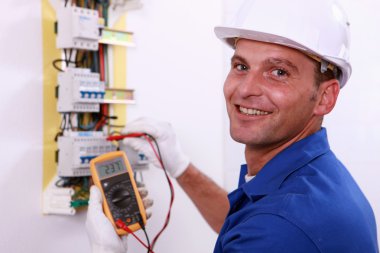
[(327, 95)]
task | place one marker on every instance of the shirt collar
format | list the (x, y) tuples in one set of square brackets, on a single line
[(284, 163)]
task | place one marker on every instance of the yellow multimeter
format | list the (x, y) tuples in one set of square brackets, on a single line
[(112, 174)]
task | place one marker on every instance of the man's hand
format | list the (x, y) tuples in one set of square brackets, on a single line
[(175, 161), (102, 235)]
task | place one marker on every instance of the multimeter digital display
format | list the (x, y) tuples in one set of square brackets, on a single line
[(112, 173), (110, 168)]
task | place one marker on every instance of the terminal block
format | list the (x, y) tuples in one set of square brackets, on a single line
[(78, 28), (57, 200), (76, 151), (79, 90)]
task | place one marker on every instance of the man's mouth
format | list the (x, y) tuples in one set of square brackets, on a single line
[(252, 111)]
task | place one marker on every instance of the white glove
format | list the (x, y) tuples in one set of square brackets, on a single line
[(175, 161), (102, 235)]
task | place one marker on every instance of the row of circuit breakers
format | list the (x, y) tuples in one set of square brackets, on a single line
[(81, 91)]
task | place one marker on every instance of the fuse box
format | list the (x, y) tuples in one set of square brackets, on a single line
[(79, 90), (88, 100), (78, 28)]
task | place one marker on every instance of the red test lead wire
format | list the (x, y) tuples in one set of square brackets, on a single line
[(121, 137), (120, 224)]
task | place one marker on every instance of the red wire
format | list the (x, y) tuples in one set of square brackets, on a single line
[(121, 137), (171, 190), (103, 120), (122, 225), (101, 62)]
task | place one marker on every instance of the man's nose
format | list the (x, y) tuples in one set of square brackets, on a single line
[(251, 85)]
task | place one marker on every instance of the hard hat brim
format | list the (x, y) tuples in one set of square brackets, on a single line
[(229, 35)]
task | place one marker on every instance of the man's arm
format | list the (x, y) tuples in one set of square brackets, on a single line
[(210, 199)]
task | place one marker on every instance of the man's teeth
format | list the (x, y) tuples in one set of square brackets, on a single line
[(249, 111)]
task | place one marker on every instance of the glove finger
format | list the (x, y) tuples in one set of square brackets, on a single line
[(148, 214), (124, 241), (137, 144), (142, 125), (96, 199), (147, 203), (143, 192)]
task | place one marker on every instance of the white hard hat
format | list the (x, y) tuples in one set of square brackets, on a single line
[(315, 27)]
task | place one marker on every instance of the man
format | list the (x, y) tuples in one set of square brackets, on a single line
[(294, 195)]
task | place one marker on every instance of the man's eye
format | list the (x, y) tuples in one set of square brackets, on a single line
[(279, 73), (241, 67)]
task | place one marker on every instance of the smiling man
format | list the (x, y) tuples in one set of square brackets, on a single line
[(272, 99), (294, 195)]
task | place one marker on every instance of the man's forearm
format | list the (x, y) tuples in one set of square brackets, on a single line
[(210, 199)]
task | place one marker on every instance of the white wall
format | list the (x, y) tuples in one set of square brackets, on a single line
[(354, 125), (176, 71)]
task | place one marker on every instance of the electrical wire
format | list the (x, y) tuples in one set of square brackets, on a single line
[(56, 61), (93, 119), (147, 239), (67, 59), (55, 64), (117, 126), (120, 224), (101, 62), (104, 118), (158, 155)]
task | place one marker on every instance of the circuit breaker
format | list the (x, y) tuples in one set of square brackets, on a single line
[(78, 28), (76, 150), (79, 90)]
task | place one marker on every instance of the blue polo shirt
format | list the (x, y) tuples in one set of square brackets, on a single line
[(302, 201)]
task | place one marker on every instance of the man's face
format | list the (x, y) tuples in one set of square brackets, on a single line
[(270, 93)]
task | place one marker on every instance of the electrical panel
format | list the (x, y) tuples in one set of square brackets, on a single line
[(79, 90), (87, 99), (78, 28)]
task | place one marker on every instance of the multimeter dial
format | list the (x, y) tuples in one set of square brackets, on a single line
[(121, 199)]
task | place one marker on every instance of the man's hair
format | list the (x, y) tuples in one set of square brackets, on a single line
[(320, 77)]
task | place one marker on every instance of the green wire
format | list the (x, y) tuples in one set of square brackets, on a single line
[(79, 203)]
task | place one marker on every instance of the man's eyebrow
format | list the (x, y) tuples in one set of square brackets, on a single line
[(239, 58), (269, 61), (283, 61)]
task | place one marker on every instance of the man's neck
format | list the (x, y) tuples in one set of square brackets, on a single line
[(257, 156)]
